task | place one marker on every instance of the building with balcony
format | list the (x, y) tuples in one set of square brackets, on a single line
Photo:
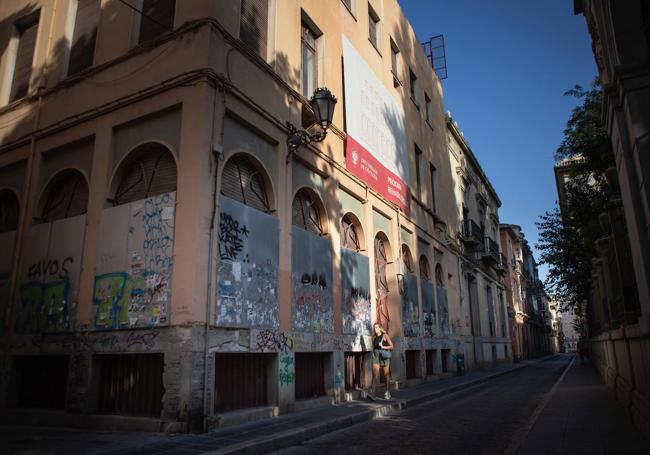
[(483, 323), (155, 225)]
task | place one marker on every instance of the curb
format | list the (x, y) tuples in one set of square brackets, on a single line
[(296, 436)]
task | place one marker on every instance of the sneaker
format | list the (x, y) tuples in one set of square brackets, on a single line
[(387, 396)]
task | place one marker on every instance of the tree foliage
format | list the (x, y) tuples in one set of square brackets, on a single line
[(567, 234)]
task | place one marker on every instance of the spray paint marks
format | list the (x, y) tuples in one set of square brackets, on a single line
[(247, 281), (158, 227), (43, 307), (272, 341), (443, 310), (410, 310), (355, 281), (428, 308), (287, 374), (312, 308)]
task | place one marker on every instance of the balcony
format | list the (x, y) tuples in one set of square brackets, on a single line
[(502, 266), (491, 253), (471, 234)]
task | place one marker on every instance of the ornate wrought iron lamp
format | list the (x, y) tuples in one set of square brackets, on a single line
[(323, 104)]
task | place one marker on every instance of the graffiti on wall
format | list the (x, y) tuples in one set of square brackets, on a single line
[(410, 310), (43, 307), (287, 373), (428, 308), (443, 310), (267, 340), (312, 307), (247, 280), (136, 292), (355, 283)]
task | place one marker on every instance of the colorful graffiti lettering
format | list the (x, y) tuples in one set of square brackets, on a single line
[(286, 375), (158, 226), (43, 307), (357, 311), (231, 237), (312, 304), (49, 268), (269, 340)]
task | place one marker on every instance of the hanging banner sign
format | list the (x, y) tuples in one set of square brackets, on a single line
[(376, 150)]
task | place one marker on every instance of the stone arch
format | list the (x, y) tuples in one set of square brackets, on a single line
[(64, 196), (352, 235), (245, 179)]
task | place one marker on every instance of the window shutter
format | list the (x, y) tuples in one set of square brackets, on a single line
[(82, 52), (24, 59), (156, 12), (304, 213), (242, 182), (349, 237), (254, 25), (150, 172), (66, 196), (8, 211)]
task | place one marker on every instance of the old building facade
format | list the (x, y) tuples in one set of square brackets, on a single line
[(155, 226)]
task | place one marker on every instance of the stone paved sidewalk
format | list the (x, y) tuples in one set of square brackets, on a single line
[(581, 417)]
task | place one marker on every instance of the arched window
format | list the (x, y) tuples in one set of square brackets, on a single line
[(8, 211), (149, 170), (305, 213), (425, 273), (381, 282), (65, 196), (243, 181), (350, 233), (407, 259), (440, 277)]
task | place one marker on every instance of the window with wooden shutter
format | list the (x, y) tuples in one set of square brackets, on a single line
[(425, 273), (82, 52), (305, 213), (27, 31), (407, 259), (243, 181), (254, 25), (157, 18), (440, 279), (349, 235), (149, 170), (65, 196), (8, 211)]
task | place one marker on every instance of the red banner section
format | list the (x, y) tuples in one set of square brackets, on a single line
[(365, 166)]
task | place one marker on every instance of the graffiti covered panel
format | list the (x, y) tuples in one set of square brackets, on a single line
[(410, 310), (247, 279), (428, 308), (311, 277), (355, 284), (443, 310), (133, 284), (7, 241)]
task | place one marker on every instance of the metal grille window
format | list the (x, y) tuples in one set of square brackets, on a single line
[(157, 18), (243, 182), (254, 25), (8, 211), (305, 213), (424, 268), (309, 55), (150, 170), (65, 196), (240, 381), (27, 31), (381, 283), (373, 26), (407, 259), (82, 53), (349, 237), (131, 384)]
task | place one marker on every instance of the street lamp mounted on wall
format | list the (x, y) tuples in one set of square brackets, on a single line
[(322, 103)]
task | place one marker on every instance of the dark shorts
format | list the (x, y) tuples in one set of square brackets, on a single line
[(377, 360)]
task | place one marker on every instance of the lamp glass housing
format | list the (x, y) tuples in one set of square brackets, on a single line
[(323, 103)]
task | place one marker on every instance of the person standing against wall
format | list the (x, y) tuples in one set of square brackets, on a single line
[(382, 346)]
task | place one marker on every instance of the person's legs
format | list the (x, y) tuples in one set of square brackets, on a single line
[(375, 377), (387, 379)]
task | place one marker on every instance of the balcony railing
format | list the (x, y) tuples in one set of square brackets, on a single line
[(472, 233)]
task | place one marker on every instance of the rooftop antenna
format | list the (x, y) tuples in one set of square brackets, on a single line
[(435, 52)]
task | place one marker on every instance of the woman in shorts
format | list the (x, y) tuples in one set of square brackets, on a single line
[(382, 346)]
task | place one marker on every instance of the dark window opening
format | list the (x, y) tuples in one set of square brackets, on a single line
[(310, 374), (65, 196), (430, 356), (254, 25), (413, 86), (407, 259), (41, 380), (309, 56), (444, 357), (27, 29), (418, 172), (355, 370), (240, 381), (130, 384), (412, 361), (9, 211), (424, 268), (82, 52)]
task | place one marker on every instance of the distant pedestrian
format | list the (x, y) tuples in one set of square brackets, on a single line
[(382, 346), (338, 384)]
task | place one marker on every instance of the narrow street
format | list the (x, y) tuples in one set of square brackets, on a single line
[(480, 420)]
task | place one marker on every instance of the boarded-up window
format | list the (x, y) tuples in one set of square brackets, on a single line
[(240, 381), (425, 273), (65, 196), (27, 32), (440, 278), (8, 211), (349, 236), (254, 25), (157, 19), (244, 182), (381, 282), (149, 170), (305, 213), (407, 259), (130, 384), (85, 32)]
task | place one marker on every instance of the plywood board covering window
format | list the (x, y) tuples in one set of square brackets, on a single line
[(85, 33), (254, 25)]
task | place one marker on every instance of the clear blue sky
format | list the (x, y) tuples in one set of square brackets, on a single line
[(509, 63)]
